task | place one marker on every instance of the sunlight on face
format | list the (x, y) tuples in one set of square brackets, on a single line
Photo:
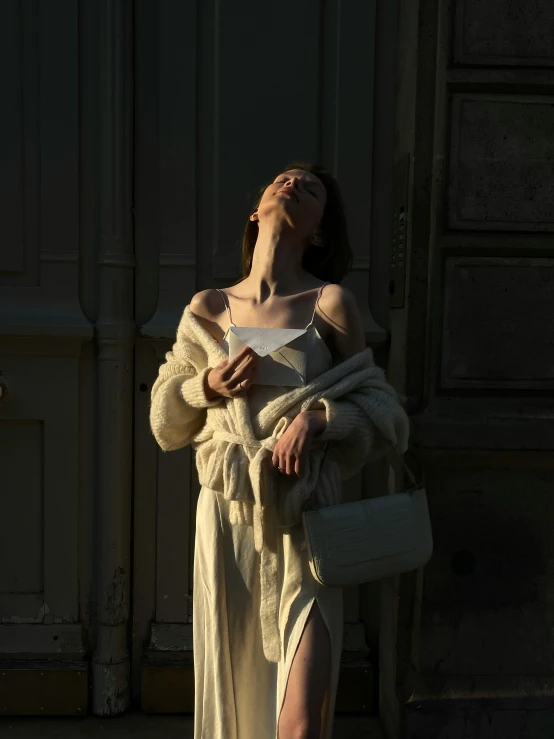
[(302, 183), (296, 197)]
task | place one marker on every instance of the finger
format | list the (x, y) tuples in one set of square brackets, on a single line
[(236, 365), (245, 378), (247, 365), (239, 385), (245, 372), (249, 375), (297, 467), (228, 368), (234, 372), (236, 360), (289, 465)]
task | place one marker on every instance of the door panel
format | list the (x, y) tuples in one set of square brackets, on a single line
[(42, 331)]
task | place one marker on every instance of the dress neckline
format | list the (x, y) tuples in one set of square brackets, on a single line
[(228, 309)]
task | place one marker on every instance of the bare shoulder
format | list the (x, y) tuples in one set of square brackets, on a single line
[(339, 307), (208, 307), (336, 298), (207, 304)]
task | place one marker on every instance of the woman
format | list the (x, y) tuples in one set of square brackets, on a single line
[(267, 637)]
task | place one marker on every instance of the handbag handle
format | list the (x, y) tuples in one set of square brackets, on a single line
[(411, 476)]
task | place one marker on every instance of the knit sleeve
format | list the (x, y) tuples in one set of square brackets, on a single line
[(178, 402), (357, 434)]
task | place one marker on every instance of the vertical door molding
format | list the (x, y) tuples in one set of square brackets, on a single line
[(115, 339)]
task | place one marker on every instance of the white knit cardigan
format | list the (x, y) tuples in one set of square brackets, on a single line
[(233, 450)]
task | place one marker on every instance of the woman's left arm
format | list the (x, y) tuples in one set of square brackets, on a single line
[(347, 338), (338, 305)]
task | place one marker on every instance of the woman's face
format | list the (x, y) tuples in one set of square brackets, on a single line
[(299, 197)]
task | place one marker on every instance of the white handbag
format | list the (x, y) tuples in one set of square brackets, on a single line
[(353, 543)]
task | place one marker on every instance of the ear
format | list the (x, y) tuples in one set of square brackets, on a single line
[(254, 215), (317, 239)]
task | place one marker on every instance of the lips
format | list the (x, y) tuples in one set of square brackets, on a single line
[(289, 192)]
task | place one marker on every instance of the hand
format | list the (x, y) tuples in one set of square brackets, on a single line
[(232, 376), (290, 451)]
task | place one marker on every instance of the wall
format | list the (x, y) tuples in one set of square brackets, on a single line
[(134, 136)]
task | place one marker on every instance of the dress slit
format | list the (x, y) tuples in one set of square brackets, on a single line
[(325, 718), (239, 694)]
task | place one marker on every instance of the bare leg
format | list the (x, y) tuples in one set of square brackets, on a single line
[(300, 716)]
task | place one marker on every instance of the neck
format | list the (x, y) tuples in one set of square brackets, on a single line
[(277, 261)]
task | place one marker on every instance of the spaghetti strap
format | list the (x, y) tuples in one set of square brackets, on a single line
[(316, 302), (226, 303)]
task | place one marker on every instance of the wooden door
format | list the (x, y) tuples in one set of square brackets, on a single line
[(475, 87)]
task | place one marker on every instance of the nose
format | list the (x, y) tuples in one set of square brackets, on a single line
[(292, 180)]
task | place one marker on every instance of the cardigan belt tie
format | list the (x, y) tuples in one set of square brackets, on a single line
[(264, 516)]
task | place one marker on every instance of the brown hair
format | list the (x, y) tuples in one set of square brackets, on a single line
[(330, 261)]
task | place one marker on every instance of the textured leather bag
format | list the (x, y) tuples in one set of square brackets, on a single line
[(282, 353), (353, 543)]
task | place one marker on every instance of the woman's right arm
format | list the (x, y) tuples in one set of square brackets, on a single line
[(182, 393), (180, 397), (178, 404)]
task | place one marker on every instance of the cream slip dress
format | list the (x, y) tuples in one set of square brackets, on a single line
[(238, 692)]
